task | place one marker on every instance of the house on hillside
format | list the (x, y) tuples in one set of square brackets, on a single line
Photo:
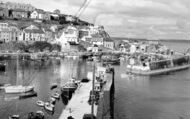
[(54, 16), (96, 29), (8, 32), (97, 39), (108, 43), (4, 12), (19, 13), (4, 25), (94, 49), (69, 34), (14, 33), (84, 33), (39, 14), (47, 16), (34, 15), (13, 5), (4, 35), (31, 34)]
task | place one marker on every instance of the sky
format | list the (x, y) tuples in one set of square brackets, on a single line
[(151, 19)]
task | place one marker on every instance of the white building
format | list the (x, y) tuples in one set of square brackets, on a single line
[(8, 32), (97, 40), (32, 33), (69, 34), (38, 14), (96, 29), (133, 48)]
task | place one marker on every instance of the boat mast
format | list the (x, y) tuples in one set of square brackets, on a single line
[(92, 95), (17, 70)]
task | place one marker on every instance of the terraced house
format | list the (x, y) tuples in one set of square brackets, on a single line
[(19, 13), (12, 5), (31, 34), (40, 14), (8, 32)]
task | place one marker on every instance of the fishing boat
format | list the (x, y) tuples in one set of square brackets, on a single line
[(14, 117), (40, 103), (18, 89), (52, 100), (70, 86), (56, 95), (48, 106)]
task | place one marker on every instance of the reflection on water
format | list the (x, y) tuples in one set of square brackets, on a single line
[(42, 75)]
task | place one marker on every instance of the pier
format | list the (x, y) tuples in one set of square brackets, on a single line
[(78, 105)]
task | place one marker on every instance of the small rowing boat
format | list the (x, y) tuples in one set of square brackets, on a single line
[(40, 103)]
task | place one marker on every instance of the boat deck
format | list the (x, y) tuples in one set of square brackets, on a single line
[(78, 105)]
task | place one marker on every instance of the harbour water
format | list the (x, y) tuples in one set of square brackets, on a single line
[(156, 97), (41, 75), (136, 97)]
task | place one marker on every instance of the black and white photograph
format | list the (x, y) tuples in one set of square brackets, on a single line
[(94, 59)]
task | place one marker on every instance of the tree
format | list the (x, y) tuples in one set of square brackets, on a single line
[(57, 11)]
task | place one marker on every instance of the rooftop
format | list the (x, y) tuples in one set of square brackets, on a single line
[(34, 31)]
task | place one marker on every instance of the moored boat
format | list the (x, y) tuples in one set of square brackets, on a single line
[(53, 86), (40, 103), (18, 89), (28, 95), (52, 100), (70, 86), (48, 106), (56, 95), (14, 117)]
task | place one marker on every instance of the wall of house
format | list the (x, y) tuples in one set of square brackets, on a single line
[(109, 45), (19, 14), (97, 41), (34, 15), (26, 7)]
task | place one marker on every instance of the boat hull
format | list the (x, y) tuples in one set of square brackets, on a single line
[(70, 90), (28, 95), (156, 72), (18, 89)]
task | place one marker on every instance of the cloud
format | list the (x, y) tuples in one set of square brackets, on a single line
[(135, 18)]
